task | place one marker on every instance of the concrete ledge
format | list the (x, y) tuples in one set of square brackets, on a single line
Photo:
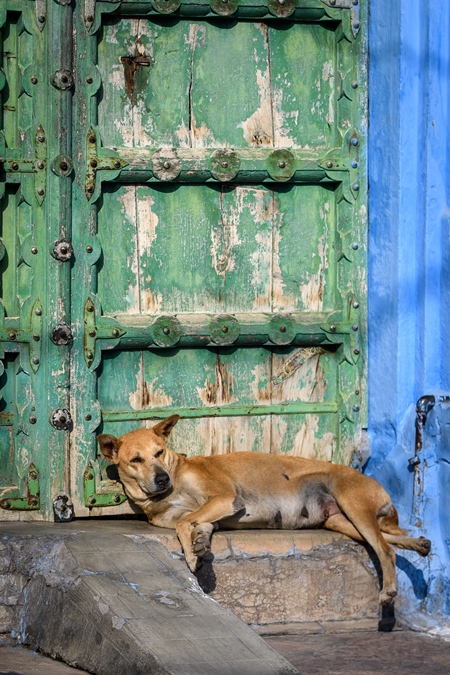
[(106, 598), (270, 578)]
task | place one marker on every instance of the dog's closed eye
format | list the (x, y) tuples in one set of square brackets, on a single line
[(136, 460), (159, 453)]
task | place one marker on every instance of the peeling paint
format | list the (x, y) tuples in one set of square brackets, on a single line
[(225, 238), (231, 434), (127, 199), (282, 139), (307, 383), (147, 222), (312, 292), (219, 391), (308, 444), (279, 429), (258, 128), (261, 384), (147, 394)]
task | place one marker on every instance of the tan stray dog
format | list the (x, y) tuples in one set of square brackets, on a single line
[(247, 490)]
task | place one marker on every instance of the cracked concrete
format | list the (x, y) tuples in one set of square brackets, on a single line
[(117, 596), (95, 598)]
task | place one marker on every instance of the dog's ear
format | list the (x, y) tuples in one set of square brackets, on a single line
[(109, 445), (164, 428)]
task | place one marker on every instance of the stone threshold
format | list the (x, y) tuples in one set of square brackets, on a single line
[(111, 595)]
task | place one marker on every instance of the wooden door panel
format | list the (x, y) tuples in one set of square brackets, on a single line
[(280, 84), (244, 248), (224, 191)]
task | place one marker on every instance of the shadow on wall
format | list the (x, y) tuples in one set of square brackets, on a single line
[(416, 474)]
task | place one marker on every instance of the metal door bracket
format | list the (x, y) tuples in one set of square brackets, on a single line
[(342, 165), (89, 13), (35, 342), (17, 165), (345, 4), (96, 162), (32, 501), (94, 498), (94, 330), (41, 13)]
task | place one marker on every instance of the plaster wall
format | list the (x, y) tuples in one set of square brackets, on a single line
[(409, 280)]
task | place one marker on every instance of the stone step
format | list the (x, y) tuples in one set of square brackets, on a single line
[(116, 596), (289, 581)]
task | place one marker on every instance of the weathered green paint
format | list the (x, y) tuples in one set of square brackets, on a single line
[(207, 164), (93, 496), (35, 213), (29, 502)]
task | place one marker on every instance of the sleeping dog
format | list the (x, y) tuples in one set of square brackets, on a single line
[(196, 495)]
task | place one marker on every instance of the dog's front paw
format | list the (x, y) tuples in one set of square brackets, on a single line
[(201, 545)]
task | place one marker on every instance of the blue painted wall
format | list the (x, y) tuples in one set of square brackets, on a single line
[(409, 279)]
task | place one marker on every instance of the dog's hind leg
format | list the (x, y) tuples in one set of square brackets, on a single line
[(339, 523), (421, 545), (368, 530), (392, 534), (398, 537)]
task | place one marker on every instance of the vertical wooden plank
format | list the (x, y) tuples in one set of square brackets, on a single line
[(146, 107), (311, 436), (174, 224), (303, 249), (303, 72), (230, 63), (118, 278), (242, 248), (8, 264)]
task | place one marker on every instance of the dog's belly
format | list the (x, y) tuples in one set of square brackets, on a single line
[(281, 512)]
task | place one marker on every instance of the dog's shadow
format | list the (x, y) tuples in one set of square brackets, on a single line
[(206, 576), (387, 620)]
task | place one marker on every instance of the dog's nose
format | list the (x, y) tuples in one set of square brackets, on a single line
[(162, 480)]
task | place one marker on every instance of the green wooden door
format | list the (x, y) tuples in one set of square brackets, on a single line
[(35, 203), (217, 214)]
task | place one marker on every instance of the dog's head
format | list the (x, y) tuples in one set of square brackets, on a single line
[(143, 460)]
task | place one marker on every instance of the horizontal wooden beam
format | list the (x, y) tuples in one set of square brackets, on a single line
[(220, 411)]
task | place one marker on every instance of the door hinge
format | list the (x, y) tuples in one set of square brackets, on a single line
[(32, 501), (13, 334), (38, 165), (96, 162), (93, 332), (94, 498)]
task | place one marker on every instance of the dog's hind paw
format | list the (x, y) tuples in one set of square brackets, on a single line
[(423, 546), (387, 596)]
